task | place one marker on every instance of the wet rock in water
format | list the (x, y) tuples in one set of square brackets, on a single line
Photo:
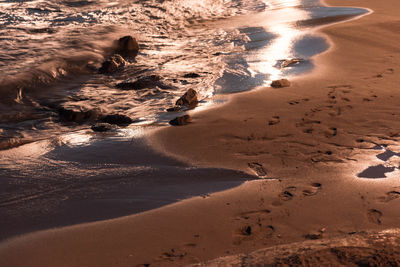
[(114, 64), (103, 127), (78, 116), (41, 30), (191, 75), (289, 62), (174, 109), (280, 83), (127, 46), (189, 99), (117, 119), (180, 121), (143, 82)]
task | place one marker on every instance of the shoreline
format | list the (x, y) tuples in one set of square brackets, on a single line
[(304, 154), (111, 177)]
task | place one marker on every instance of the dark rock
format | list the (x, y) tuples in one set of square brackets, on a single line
[(280, 83), (103, 127), (78, 116), (117, 119), (41, 30), (174, 109), (189, 99), (143, 83), (114, 64), (191, 75), (127, 46), (180, 121)]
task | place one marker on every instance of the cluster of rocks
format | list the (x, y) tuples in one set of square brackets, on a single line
[(78, 116), (285, 64), (125, 48), (143, 82), (102, 122)]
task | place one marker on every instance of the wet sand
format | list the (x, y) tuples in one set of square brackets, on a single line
[(311, 140), (107, 177)]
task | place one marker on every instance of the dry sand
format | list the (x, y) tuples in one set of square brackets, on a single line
[(313, 138)]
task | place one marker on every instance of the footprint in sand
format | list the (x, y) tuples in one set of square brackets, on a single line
[(331, 132), (341, 86), (248, 214), (246, 230), (274, 120), (288, 193), (316, 235), (392, 195), (315, 187), (389, 71), (252, 225), (252, 232), (298, 101), (258, 169), (308, 125), (374, 216), (270, 230), (173, 254)]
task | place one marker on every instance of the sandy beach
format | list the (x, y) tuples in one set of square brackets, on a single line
[(308, 143)]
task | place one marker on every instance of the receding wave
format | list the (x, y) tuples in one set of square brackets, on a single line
[(51, 51)]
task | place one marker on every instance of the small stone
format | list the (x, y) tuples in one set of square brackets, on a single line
[(174, 109), (143, 82), (127, 46), (78, 116), (112, 65), (117, 119), (191, 75), (280, 83), (180, 121), (103, 127), (189, 99)]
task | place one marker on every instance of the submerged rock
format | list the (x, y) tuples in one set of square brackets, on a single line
[(112, 65), (280, 83), (127, 46), (189, 99), (191, 75), (289, 62), (143, 82), (180, 121), (174, 109), (117, 119), (78, 116), (103, 127)]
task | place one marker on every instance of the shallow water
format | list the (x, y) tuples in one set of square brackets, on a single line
[(50, 52), (83, 177)]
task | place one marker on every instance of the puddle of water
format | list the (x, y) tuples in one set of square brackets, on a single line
[(380, 170)]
